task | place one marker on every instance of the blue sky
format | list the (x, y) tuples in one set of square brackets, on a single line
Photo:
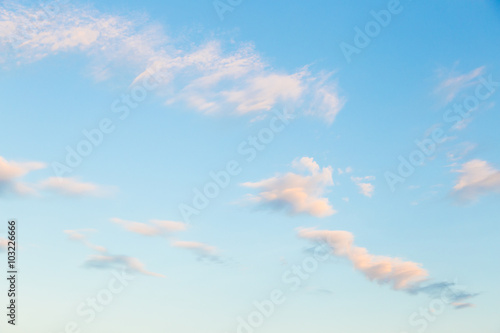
[(355, 191)]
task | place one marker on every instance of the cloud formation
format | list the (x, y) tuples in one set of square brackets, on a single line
[(365, 187), (396, 272), (167, 228), (154, 228), (297, 193), (399, 274), (213, 76), (453, 83), (73, 187), (11, 172), (477, 178), (105, 260)]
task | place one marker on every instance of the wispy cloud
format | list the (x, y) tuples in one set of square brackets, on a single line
[(365, 187), (167, 228), (477, 178), (73, 187), (297, 193), (154, 228), (213, 76), (11, 173), (105, 260), (453, 83)]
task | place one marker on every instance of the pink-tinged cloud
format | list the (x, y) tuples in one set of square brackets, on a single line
[(365, 187), (200, 248), (118, 261), (153, 228), (477, 178), (11, 172), (297, 193), (400, 274), (73, 187), (3, 244)]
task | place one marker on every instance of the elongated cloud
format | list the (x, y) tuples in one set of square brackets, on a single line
[(401, 275), (396, 272), (117, 261), (105, 260), (297, 193), (477, 178), (154, 228), (73, 187), (201, 248), (210, 77), (11, 173), (454, 83)]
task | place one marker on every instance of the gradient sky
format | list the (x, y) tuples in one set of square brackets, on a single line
[(331, 173)]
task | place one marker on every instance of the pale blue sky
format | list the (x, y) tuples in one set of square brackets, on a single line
[(224, 82)]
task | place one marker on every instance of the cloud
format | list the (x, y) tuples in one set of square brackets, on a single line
[(454, 83), (3, 244), (399, 274), (117, 261), (11, 172), (201, 249), (155, 228), (166, 228), (105, 260), (477, 178), (73, 187), (365, 188), (396, 272), (297, 193), (213, 76)]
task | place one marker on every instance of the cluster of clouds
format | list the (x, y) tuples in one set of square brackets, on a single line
[(398, 273), (304, 192), (103, 259), (212, 76), (164, 228), (11, 181)]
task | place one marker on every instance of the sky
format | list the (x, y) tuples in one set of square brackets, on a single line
[(251, 166)]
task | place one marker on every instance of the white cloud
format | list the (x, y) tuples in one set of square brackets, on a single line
[(73, 187), (154, 228), (297, 193), (396, 272), (454, 83), (211, 77), (11, 172), (201, 249), (365, 187), (477, 178), (118, 261), (105, 260)]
